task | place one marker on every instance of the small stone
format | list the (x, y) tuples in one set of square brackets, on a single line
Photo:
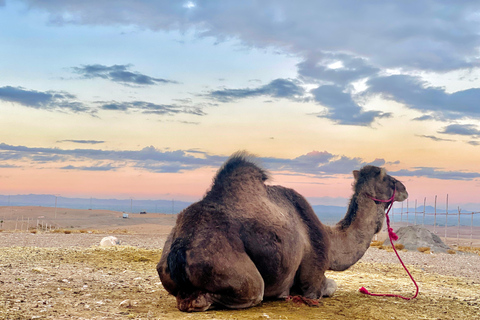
[(126, 303)]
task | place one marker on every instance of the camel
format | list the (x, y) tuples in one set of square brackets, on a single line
[(246, 241)]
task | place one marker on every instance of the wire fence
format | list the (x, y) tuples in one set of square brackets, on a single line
[(454, 226)]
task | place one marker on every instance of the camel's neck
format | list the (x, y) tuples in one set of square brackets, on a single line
[(351, 237)]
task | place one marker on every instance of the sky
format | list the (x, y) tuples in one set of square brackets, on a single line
[(146, 99)]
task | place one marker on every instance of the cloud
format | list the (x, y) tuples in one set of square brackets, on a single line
[(118, 73), (434, 138), (462, 129), (315, 163), (278, 88), (336, 68), (48, 100), (338, 44), (150, 108), (425, 35), (148, 158), (83, 141), (107, 167), (417, 94), (434, 173), (342, 109), (319, 164)]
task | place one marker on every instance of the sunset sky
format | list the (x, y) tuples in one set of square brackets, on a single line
[(146, 99)]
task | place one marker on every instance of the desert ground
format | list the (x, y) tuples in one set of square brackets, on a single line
[(61, 272)]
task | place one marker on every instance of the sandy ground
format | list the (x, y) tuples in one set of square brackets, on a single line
[(58, 275)]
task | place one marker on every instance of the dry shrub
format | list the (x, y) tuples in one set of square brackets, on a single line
[(67, 231), (82, 231), (1, 230), (450, 251), (469, 249), (377, 244), (33, 231), (424, 249), (117, 231), (399, 246)]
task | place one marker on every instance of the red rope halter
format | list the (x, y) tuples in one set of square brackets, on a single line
[(393, 237)]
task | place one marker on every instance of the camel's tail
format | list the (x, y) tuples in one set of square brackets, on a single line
[(177, 262)]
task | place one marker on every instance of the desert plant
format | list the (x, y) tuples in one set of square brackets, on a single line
[(450, 251), (469, 249), (399, 246), (424, 249), (376, 244)]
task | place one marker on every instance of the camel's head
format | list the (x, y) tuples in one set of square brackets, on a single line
[(375, 182)]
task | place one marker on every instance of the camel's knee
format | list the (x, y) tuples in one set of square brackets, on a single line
[(329, 287)]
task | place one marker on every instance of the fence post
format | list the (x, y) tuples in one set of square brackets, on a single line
[(471, 232), (446, 220), (458, 227), (407, 211), (423, 221), (401, 214)]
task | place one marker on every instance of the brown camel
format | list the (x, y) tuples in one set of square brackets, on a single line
[(246, 241)]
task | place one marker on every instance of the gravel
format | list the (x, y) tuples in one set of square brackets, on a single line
[(461, 265)]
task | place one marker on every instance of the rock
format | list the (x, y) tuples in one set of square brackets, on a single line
[(413, 237), (109, 241), (126, 303)]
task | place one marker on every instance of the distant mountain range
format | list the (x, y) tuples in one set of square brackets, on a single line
[(327, 214), (126, 205)]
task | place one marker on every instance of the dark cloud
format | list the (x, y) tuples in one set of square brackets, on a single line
[(416, 94), (434, 173), (118, 73), (151, 108), (49, 100), (342, 109), (278, 88), (474, 143), (462, 129), (83, 141)]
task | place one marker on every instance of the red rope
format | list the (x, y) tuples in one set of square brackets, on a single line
[(393, 237)]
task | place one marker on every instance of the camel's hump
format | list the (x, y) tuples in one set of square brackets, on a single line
[(240, 163)]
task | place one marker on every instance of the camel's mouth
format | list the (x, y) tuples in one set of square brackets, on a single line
[(401, 196)]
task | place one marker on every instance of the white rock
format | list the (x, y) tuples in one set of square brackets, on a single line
[(126, 303), (109, 241)]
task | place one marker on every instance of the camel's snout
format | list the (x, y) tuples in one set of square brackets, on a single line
[(401, 192)]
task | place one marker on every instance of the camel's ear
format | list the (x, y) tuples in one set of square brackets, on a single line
[(356, 174)]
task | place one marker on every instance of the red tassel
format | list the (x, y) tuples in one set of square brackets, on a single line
[(363, 290), (392, 234)]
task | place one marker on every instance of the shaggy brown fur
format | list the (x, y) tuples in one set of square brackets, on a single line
[(246, 241)]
